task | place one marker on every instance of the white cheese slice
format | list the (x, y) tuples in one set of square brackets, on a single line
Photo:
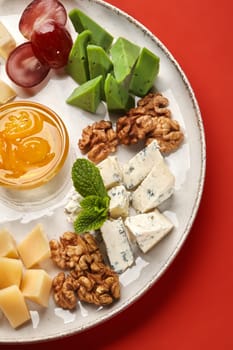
[(117, 245), (7, 42), (154, 189), (119, 201), (140, 165), (148, 229), (6, 93), (111, 172)]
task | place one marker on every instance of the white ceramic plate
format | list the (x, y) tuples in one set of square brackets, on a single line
[(20, 213)]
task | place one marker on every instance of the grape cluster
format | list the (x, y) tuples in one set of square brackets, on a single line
[(48, 46)]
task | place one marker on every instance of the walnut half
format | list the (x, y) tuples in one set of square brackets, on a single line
[(150, 120), (98, 141), (167, 133), (89, 278), (64, 291), (98, 288)]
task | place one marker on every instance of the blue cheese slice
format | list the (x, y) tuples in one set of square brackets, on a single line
[(148, 229), (154, 189), (111, 172), (140, 165), (117, 245), (119, 201)]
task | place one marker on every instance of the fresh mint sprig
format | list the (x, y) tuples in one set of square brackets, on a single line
[(91, 218), (88, 182), (96, 202), (87, 179)]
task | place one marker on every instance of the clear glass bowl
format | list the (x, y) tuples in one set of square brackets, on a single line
[(34, 145)]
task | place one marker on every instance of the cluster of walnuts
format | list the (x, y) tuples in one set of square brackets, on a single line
[(85, 276), (149, 120)]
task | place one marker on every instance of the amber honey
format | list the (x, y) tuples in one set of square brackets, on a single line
[(33, 144)]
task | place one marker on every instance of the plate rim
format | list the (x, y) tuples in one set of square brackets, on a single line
[(196, 204)]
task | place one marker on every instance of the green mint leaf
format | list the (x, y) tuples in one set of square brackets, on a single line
[(90, 220), (87, 179), (95, 202)]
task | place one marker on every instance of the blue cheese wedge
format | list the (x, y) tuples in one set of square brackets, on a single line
[(117, 245), (119, 201), (148, 229), (73, 208), (154, 189), (111, 172), (140, 165)]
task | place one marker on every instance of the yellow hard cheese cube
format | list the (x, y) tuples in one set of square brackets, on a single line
[(13, 306), (8, 245), (36, 286), (35, 247), (6, 93), (10, 272), (7, 42)]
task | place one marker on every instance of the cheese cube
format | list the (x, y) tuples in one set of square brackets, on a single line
[(140, 165), (36, 286), (7, 42), (13, 306), (6, 93), (10, 272), (8, 245), (119, 201), (111, 172), (148, 229), (35, 247), (117, 245), (155, 188)]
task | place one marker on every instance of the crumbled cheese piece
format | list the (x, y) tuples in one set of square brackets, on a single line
[(73, 207)]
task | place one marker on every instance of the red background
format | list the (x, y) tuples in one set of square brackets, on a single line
[(191, 306)]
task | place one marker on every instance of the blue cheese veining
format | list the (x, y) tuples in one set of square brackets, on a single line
[(119, 201), (148, 229), (111, 172), (154, 189), (140, 165), (117, 245)]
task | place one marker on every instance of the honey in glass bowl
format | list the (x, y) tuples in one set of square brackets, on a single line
[(34, 144)]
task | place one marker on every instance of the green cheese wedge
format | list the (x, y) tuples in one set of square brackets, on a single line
[(87, 96), (144, 73), (124, 55), (99, 63), (117, 97), (77, 66), (81, 22)]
